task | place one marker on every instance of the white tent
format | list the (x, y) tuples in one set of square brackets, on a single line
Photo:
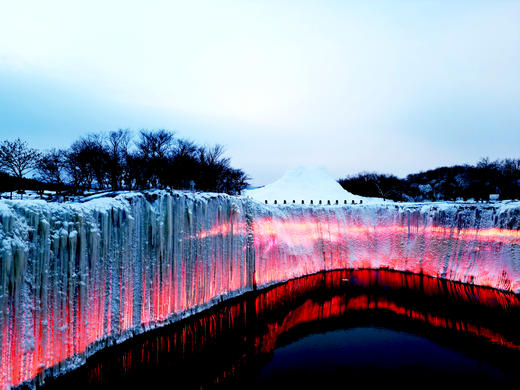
[(306, 183)]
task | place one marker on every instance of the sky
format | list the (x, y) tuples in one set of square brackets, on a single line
[(389, 86)]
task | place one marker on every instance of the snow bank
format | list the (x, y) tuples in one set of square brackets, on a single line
[(306, 183)]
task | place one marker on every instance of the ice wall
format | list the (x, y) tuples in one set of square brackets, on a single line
[(465, 243), (74, 277), (77, 276)]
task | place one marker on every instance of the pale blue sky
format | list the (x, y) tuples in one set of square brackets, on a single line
[(392, 86)]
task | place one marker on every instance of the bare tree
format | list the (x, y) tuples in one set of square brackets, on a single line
[(154, 149), (155, 144), (118, 142), (214, 155), (87, 160), (17, 158), (50, 166), (185, 148)]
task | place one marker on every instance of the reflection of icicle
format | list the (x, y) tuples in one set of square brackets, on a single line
[(76, 276), (293, 304)]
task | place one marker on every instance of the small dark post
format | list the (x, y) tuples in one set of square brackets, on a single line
[(294, 201), (303, 202), (266, 201), (320, 202), (284, 201), (345, 201), (328, 202), (312, 202), (337, 201), (353, 201), (275, 202), (361, 201)]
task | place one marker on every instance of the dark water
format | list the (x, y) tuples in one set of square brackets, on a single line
[(332, 330), (371, 355)]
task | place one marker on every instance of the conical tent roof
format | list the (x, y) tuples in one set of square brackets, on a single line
[(304, 183)]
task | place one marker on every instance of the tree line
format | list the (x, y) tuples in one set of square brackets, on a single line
[(476, 182), (118, 161)]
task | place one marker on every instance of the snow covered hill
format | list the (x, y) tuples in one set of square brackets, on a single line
[(306, 183)]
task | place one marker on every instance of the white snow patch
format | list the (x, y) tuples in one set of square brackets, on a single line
[(306, 183)]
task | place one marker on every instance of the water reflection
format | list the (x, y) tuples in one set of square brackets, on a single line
[(234, 343), (371, 355)]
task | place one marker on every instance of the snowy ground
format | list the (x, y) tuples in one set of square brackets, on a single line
[(26, 195), (48, 196)]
